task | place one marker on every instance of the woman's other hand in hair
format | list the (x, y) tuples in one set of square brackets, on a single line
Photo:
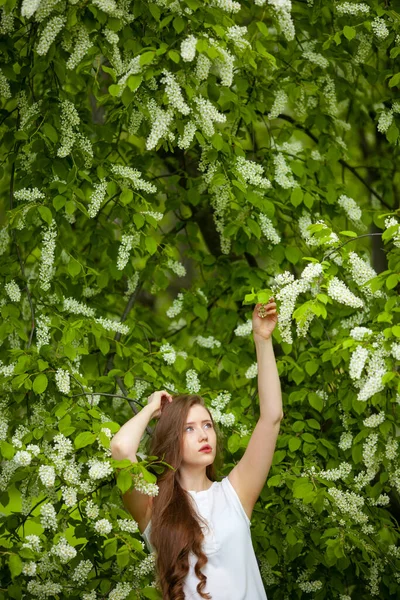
[(158, 400)]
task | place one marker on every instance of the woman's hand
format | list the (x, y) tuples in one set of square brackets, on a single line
[(264, 326), (158, 400)]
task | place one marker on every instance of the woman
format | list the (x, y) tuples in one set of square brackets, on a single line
[(198, 527)]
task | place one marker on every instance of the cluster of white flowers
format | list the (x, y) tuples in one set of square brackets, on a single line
[(176, 307), (63, 381), (133, 178), (236, 35), (33, 543), (392, 222), (268, 229), (379, 28), (103, 526), (78, 308), (174, 93), (121, 591), (352, 8), (154, 214), (341, 472), (82, 44), (49, 34), (374, 420), (22, 458), (4, 239), (91, 510), (29, 568), (186, 138), (99, 469), (27, 113), (110, 325), (13, 291), (339, 291), (391, 448), (188, 48), (221, 401), (42, 331), (135, 121), (361, 272), (139, 483), (48, 516), (283, 173), (278, 105), (132, 68), (284, 17), (81, 572), (207, 115), (69, 495), (69, 122), (192, 381), (252, 172), (376, 368), (346, 440), (47, 475), (350, 207), (228, 5), (208, 342), (177, 267), (314, 57), (349, 503), (304, 222), (395, 351), (252, 371), (203, 66), (6, 22), (132, 283), (46, 271), (128, 241), (5, 90), (384, 121), (63, 550), (244, 328), (97, 198), (168, 353), (357, 362), (128, 525), (160, 122), (308, 586), (43, 590), (358, 333)]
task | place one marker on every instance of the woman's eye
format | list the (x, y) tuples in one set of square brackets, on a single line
[(190, 427)]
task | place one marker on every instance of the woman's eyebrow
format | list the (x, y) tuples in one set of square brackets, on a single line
[(193, 422)]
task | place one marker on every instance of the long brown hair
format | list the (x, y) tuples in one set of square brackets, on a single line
[(175, 526)]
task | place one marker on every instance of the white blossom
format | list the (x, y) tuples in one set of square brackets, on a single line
[(208, 342), (174, 93), (358, 333), (357, 362), (374, 420), (46, 270), (13, 291), (168, 353), (352, 8), (338, 291), (283, 173), (188, 48), (192, 381), (177, 267), (49, 34), (244, 328), (379, 28), (278, 105), (103, 526), (47, 475), (22, 458), (252, 371), (63, 550), (48, 516), (350, 207), (99, 469), (268, 229), (97, 198), (63, 381), (82, 44)]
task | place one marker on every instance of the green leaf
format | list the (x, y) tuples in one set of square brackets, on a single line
[(392, 281), (84, 439), (134, 82), (40, 383), (313, 423), (293, 254), (233, 443), (254, 227), (395, 80), (110, 548), (275, 480), (349, 32), (146, 58), (396, 330), (316, 401), (15, 564), (73, 267), (179, 24), (296, 197), (174, 56), (151, 244), (294, 444), (50, 132), (7, 450), (124, 481), (217, 141), (151, 593), (114, 90), (46, 214)]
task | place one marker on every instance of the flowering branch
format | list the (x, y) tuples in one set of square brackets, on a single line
[(347, 241)]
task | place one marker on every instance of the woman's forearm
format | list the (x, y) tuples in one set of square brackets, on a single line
[(125, 442), (269, 385)]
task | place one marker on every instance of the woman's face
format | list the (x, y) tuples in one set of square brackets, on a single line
[(197, 432)]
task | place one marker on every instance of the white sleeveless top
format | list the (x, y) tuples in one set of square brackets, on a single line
[(232, 570)]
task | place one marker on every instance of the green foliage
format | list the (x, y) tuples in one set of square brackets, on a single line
[(154, 187)]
